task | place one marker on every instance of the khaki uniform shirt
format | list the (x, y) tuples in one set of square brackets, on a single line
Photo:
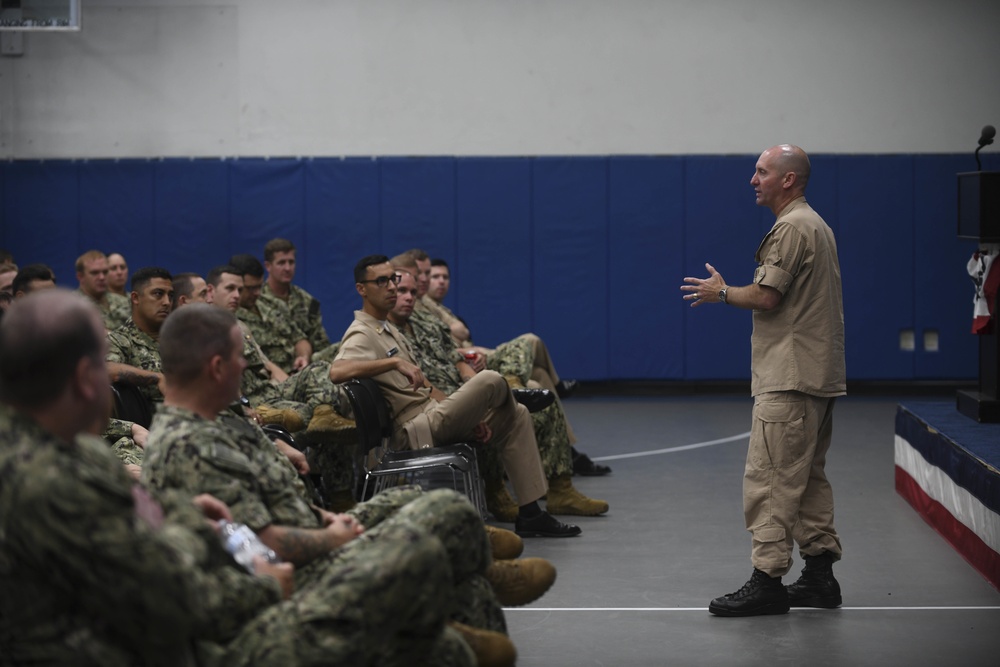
[(368, 339), (799, 346)]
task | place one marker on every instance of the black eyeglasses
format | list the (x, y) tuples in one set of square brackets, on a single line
[(382, 281)]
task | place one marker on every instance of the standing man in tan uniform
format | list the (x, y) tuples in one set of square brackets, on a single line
[(798, 369), (484, 409)]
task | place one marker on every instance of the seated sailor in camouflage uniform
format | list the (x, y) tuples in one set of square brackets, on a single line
[(445, 368), (193, 447), (278, 290), (307, 397), (97, 572), (133, 354), (278, 334), (92, 274), (524, 361)]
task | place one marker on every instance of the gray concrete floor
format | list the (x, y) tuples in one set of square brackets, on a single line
[(634, 588)]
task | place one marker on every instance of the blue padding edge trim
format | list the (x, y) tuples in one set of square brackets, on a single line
[(925, 426)]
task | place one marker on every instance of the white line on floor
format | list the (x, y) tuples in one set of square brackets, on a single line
[(705, 609), (669, 450)]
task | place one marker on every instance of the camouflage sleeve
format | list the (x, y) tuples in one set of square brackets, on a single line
[(118, 428), (130, 572), (118, 347), (189, 462)]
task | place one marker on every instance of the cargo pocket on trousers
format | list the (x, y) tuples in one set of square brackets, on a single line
[(779, 438)]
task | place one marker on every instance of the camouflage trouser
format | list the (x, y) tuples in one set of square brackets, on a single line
[(303, 392), (386, 603), (513, 358), (327, 354), (127, 451), (451, 518), (554, 441)]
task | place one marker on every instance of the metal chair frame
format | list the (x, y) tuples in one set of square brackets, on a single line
[(374, 424)]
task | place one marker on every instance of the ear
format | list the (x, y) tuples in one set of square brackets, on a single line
[(134, 298), (360, 288), (83, 379), (789, 181), (215, 367)]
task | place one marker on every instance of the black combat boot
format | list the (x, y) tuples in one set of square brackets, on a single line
[(761, 595), (816, 587)]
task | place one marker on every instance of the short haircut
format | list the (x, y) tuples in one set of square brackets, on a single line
[(88, 257), (190, 337), (417, 254), (183, 286), (247, 265), (42, 339), (404, 261), (275, 246), (440, 262), (361, 268), (214, 276), (145, 275), (23, 279), (7, 267)]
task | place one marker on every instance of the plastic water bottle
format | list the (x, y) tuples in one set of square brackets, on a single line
[(243, 544)]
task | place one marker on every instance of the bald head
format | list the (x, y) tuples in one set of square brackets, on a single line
[(42, 339), (789, 158)]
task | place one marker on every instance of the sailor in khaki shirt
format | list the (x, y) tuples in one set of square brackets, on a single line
[(484, 409), (798, 368)]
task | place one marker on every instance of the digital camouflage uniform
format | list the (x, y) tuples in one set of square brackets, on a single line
[(89, 579), (128, 345), (274, 331), (233, 460), (119, 434), (115, 309), (437, 355), (331, 454), (92, 575), (303, 308), (116, 312)]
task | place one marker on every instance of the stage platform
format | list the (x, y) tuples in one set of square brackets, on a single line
[(948, 469)]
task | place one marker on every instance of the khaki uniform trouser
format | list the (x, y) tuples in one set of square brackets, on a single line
[(786, 495), (487, 398)]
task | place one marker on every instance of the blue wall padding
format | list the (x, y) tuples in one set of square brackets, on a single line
[(645, 245), (570, 248), (588, 252), (941, 299), (875, 240), (492, 274), (191, 214), (722, 227), (340, 195)]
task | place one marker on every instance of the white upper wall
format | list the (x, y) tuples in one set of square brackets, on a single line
[(504, 77)]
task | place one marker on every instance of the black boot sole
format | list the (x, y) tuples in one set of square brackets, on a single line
[(818, 603), (772, 609)]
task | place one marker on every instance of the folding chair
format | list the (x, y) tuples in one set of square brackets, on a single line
[(431, 467)]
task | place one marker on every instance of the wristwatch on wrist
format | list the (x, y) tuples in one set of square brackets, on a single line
[(722, 295)]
